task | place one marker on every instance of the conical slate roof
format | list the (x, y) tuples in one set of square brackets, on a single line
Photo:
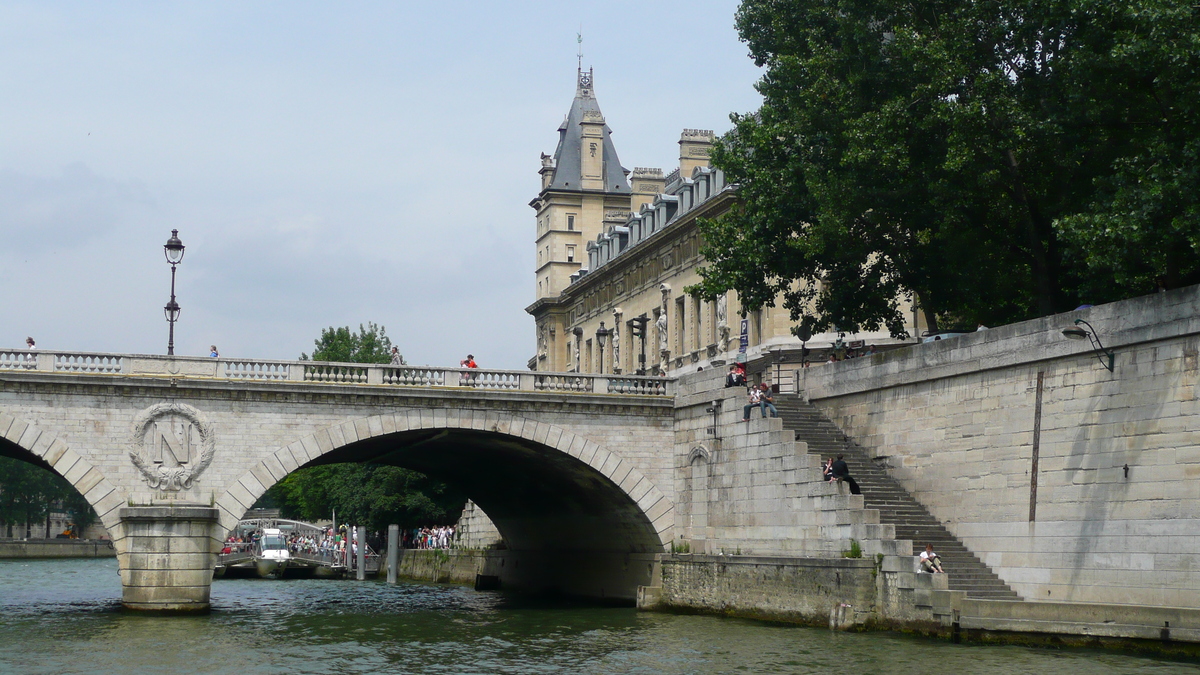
[(567, 162)]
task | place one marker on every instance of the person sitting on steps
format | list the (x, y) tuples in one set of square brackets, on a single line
[(842, 472), (930, 562)]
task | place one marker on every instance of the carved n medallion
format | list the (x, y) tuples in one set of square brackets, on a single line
[(171, 445)]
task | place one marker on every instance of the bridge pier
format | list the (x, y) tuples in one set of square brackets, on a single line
[(166, 555)]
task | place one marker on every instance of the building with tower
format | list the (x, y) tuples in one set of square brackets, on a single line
[(615, 251)]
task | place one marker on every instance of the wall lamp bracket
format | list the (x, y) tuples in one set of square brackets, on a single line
[(1105, 356)]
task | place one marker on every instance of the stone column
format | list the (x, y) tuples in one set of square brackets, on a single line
[(360, 533), (166, 555), (393, 552)]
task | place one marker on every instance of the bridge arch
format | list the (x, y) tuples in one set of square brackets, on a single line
[(23, 440), (545, 487)]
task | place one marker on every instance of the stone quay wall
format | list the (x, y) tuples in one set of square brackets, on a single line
[(57, 548), (842, 593), (1074, 483)]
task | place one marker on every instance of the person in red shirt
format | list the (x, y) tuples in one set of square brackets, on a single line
[(469, 362)]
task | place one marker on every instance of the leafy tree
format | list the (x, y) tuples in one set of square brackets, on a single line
[(29, 493), (370, 494), (369, 344), (971, 154)]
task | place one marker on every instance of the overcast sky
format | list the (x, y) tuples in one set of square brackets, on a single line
[(324, 164)]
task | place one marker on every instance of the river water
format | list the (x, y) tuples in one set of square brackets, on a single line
[(64, 616)]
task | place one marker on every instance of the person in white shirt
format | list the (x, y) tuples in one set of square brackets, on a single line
[(930, 562)]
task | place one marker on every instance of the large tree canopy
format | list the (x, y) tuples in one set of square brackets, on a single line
[(368, 494), (998, 160)]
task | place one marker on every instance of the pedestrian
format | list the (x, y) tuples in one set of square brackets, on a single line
[(842, 472), (469, 362), (29, 344), (397, 359), (213, 353)]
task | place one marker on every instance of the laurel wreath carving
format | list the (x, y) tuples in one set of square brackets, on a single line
[(173, 478)]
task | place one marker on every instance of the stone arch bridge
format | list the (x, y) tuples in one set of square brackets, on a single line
[(574, 470)]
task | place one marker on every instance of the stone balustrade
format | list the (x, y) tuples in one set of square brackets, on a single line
[(384, 375)]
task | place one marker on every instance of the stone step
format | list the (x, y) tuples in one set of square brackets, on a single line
[(896, 505)]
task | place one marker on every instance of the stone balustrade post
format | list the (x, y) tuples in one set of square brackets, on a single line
[(45, 361), (295, 372), (375, 375), (599, 385), (166, 556), (527, 381)]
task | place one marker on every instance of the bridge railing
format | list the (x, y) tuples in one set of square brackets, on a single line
[(384, 375)]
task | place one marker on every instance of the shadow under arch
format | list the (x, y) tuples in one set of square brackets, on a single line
[(24, 441), (576, 517)]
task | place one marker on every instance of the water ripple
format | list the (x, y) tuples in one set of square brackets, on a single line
[(64, 616)]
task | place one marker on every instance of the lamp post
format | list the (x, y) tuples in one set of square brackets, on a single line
[(1077, 333), (173, 249), (602, 334)]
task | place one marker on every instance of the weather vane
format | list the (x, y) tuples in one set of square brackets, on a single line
[(579, 39)]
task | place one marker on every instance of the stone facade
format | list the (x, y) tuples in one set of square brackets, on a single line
[(611, 254)]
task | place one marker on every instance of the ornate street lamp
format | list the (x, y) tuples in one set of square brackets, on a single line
[(602, 334), (1077, 333), (173, 249)]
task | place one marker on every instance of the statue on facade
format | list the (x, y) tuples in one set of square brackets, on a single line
[(723, 322), (616, 340), (660, 323)]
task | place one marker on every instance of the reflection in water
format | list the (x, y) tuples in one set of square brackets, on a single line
[(63, 616)]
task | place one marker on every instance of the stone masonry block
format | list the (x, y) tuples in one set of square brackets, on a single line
[(375, 425), (28, 437), (89, 480), (56, 450), (262, 475), (273, 467), (15, 430), (286, 460), (309, 443)]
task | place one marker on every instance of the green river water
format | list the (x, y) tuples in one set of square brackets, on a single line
[(64, 616)]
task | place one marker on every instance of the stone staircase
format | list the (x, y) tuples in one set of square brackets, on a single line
[(896, 506)]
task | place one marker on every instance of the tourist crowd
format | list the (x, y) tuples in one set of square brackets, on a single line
[(441, 536)]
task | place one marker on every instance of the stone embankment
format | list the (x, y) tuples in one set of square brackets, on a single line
[(56, 548)]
